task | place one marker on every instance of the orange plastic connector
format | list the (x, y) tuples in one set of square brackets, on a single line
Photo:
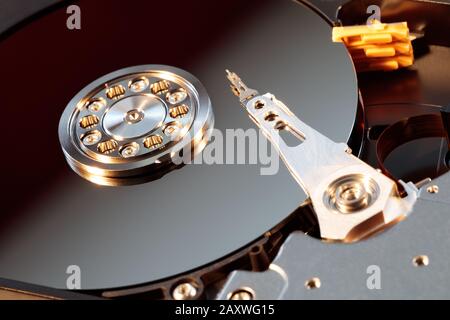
[(377, 46)]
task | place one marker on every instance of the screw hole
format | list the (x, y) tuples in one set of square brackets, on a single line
[(256, 249), (270, 116), (280, 125), (313, 283), (421, 261), (259, 104)]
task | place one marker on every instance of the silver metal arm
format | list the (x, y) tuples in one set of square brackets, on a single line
[(351, 199)]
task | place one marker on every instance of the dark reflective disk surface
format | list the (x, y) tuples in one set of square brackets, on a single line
[(51, 218)]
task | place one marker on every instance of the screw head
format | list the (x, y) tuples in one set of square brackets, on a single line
[(91, 138), (129, 150), (184, 291), (176, 96), (134, 116), (96, 105), (172, 130), (241, 294), (139, 85), (433, 189)]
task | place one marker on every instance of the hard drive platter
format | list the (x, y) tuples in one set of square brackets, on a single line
[(99, 119)]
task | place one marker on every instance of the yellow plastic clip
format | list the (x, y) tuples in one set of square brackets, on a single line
[(377, 46)]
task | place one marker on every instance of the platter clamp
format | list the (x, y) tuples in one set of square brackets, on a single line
[(130, 125)]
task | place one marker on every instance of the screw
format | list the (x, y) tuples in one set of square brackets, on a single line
[(134, 116), (176, 96), (91, 138), (96, 105), (433, 189), (129, 150), (172, 130), (139, 85), (241, 294), (184, 291)]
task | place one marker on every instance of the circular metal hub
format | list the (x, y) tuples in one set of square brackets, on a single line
[(351, 193), (125, 127), (134, 117)]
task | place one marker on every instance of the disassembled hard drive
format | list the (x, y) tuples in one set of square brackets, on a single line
[(136, 175)]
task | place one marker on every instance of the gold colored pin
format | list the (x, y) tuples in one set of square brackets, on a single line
[(377, 46)]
